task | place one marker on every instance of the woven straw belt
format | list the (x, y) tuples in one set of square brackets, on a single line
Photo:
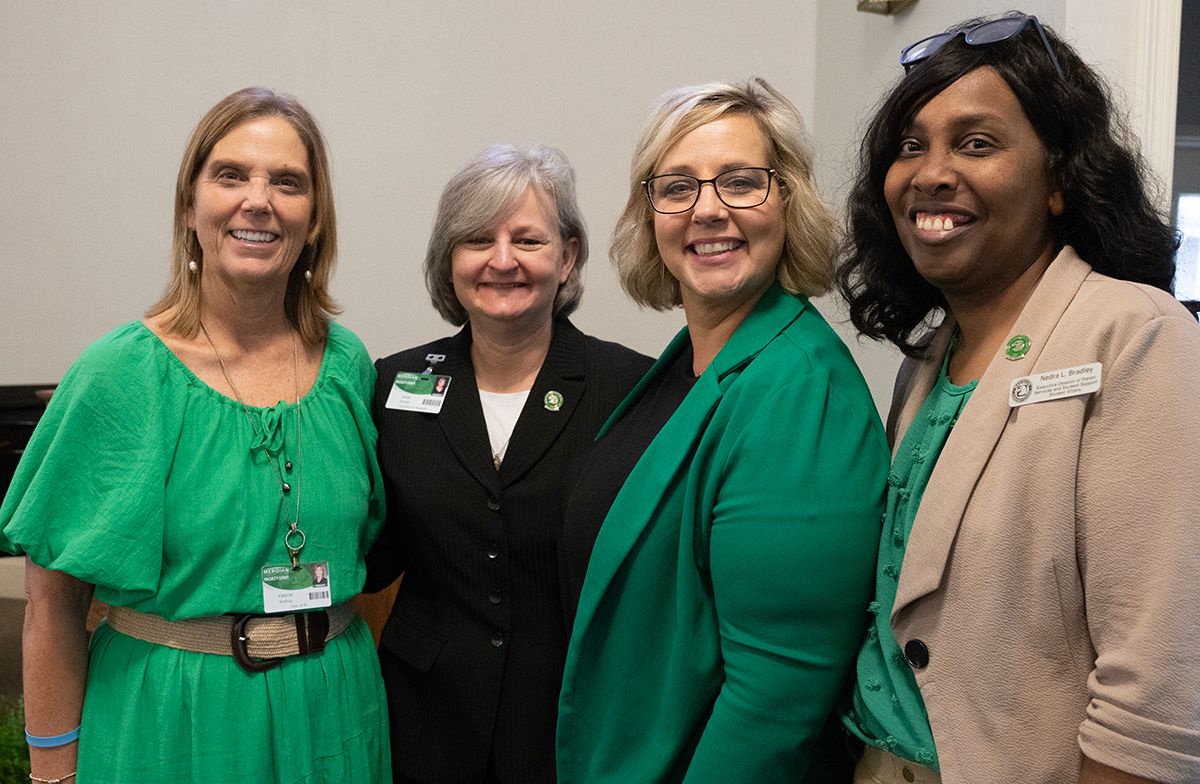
[(257, 642)]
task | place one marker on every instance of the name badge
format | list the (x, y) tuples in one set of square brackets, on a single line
[(1054, 384), (418, 392), (287, 590)]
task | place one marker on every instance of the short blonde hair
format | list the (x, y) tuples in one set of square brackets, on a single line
[(806, 266), (481, 194), (307, 304)]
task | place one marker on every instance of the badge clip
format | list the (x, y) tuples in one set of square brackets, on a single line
[(433, 359)]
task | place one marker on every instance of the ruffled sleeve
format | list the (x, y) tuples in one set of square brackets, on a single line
[(87, 496)]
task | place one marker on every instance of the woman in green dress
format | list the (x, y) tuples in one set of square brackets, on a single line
[(209, 473)]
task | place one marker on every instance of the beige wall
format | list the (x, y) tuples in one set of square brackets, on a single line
[(97, 100)]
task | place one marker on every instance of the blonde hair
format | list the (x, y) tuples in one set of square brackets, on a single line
[(307, 304), (481, 194), (806, 266)]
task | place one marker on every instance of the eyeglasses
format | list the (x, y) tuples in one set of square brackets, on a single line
[(992, 32), (737, 188)]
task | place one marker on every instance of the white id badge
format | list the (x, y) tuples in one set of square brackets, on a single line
[(418, 392), (287, 590), (1054, 384)]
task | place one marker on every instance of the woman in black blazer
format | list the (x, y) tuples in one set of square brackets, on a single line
[(476, 433)]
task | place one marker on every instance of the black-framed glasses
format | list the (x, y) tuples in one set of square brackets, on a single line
[(991, 32), (740, 189)]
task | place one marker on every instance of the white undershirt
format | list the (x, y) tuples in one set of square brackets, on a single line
[(500, 411)]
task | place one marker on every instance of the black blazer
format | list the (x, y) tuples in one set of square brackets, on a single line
[(473, 651)]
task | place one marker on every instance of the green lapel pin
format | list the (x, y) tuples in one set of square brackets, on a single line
[(1017, 347)]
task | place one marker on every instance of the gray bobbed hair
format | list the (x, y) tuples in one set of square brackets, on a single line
[(481, 195)]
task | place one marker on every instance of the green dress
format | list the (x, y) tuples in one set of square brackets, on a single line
[(147, 483)]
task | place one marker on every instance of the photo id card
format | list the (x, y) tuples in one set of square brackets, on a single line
[(418, 392), (287, 590)]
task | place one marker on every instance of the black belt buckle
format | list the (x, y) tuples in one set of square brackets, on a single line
[(311, 630), (241, 647)]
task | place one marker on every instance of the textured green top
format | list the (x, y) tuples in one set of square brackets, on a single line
[(886, 709)]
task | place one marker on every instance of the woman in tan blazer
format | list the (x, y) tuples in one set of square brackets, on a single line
[(1035, 617)]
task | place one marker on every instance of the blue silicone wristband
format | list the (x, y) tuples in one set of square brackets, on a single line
[(50, 741)]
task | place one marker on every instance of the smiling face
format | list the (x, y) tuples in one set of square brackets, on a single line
[(723, 258), (253, 206), (511, 272), (970, 194)]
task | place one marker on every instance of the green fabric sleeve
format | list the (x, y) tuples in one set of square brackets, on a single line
[(795, 521), (91, 481)]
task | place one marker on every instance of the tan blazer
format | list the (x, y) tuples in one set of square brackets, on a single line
[(1052, 576)]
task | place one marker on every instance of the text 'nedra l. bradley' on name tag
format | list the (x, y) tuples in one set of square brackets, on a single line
[(1054, 384)]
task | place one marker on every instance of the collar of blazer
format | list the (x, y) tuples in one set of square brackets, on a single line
[(671, 450), (983, 421), (773, 313), (461, 417)]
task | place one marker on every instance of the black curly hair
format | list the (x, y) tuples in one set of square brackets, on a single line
[(1110, 218)]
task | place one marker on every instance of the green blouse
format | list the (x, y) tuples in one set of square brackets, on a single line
[(145, 482), (886, 706)]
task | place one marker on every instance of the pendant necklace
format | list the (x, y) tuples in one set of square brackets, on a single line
[(293, 540), (498, 455)]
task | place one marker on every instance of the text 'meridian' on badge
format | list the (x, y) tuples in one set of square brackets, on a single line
[(1054, 384), (418, 392), (287, 590)]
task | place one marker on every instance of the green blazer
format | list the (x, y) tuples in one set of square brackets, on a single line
[(728, 586)]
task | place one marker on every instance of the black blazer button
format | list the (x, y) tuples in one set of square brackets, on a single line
[(917, 654), (497, 640), (494, 597), (493, 504)]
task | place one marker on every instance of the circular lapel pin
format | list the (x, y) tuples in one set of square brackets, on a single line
[(1017, 347), (553, 400)]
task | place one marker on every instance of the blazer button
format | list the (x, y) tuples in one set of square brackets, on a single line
[(493, 552), (493, 504), (497, 640), (917, 654), (494, 597)]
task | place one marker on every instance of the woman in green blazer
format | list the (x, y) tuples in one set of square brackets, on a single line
[(734, 497)]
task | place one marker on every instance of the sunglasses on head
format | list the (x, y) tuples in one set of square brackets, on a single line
[(991, 32)]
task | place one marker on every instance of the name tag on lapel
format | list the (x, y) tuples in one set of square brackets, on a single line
[(1054, 384)]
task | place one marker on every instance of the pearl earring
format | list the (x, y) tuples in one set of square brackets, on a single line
[(193, 267), (308, 274)]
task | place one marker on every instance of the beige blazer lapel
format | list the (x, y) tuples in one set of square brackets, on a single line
[(910, 393), (970, 445)]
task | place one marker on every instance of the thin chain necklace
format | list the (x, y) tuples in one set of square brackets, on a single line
[(293, 540)]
